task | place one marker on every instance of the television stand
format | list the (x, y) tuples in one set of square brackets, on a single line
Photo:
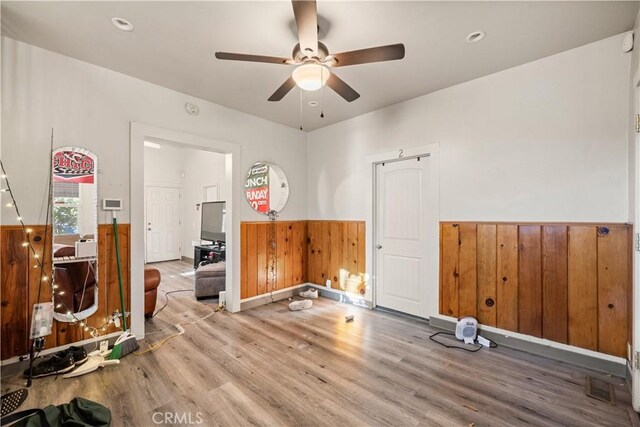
[(215, 252)]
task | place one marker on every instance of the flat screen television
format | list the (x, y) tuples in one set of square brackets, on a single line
[(213, 221)]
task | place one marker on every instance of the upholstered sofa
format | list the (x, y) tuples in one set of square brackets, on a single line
[(151, 283), (210, 280)]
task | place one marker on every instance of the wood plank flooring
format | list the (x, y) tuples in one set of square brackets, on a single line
[(270, 366)]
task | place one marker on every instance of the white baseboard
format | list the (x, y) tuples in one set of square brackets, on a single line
[(14, 365), (554, 350), (342, 296)]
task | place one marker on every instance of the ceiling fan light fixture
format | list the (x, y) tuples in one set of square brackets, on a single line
[(310, 76)]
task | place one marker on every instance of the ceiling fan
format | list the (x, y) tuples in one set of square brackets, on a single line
[(313, 60)]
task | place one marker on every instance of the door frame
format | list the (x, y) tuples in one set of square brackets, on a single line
[(179, 187), (433, 224), (635, 265), (233, 174)]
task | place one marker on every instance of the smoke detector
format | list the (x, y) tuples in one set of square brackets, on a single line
[(192, 109)]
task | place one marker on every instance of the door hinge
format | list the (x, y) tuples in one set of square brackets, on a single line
[(637, 123), (637, 242), (636, 360)]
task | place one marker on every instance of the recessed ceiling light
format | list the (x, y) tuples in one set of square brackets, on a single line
[(313, 104), (476, 36), (122, 24)]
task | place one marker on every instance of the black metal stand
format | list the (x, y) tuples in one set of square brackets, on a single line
[(37, 344)]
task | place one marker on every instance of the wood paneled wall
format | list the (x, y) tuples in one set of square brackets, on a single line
[(19, 287), (569, 283), (291, 256), (336, 251), (306, 251)]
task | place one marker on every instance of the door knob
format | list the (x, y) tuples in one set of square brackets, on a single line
[(378, 246)]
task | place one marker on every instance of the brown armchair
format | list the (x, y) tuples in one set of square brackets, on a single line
[(151, 283)]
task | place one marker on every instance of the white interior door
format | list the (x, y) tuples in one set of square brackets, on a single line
[(401, 245), (163, 223)]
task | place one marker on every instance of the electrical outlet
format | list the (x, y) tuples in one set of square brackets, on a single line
[(328, 283), (104, 346)]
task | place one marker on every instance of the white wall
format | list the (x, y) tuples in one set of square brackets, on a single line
[(164, 166), (191, 170), (88, 210), (202, 168), (545, 141), (92, 107)]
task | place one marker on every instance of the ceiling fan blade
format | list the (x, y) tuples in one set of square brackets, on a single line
[(341, 88), (252, 58), (372, 54), (306, 14), (283, 90)]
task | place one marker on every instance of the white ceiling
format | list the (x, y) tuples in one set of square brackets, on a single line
[(173, 44)]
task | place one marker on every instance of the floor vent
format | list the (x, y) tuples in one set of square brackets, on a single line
[(601, 390)]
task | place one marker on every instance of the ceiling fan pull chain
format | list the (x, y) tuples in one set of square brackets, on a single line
[(322, 94), (301, 122)]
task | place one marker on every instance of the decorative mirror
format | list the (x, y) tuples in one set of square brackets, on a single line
[(266, 188), (75, 231)]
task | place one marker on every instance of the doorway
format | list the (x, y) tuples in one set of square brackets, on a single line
[(139, 133), (163, 223)]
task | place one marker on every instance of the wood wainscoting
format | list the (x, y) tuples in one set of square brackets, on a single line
[(336, 252), (290, 257), (19, 287), (306, 251), (568, 283)]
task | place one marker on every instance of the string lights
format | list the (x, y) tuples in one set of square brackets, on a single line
[(59, 303)]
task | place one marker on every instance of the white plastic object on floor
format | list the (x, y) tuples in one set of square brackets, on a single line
[(309, 293), (300, 305), (92, 364), (485, 342)]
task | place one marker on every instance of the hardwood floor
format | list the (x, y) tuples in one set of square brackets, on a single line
[(271, 366)]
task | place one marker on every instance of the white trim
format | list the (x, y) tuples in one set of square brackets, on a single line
[(279, 291), (635, 265), (542, 341), (138, 132), (344, 296), (16, 359), (433, 151)]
